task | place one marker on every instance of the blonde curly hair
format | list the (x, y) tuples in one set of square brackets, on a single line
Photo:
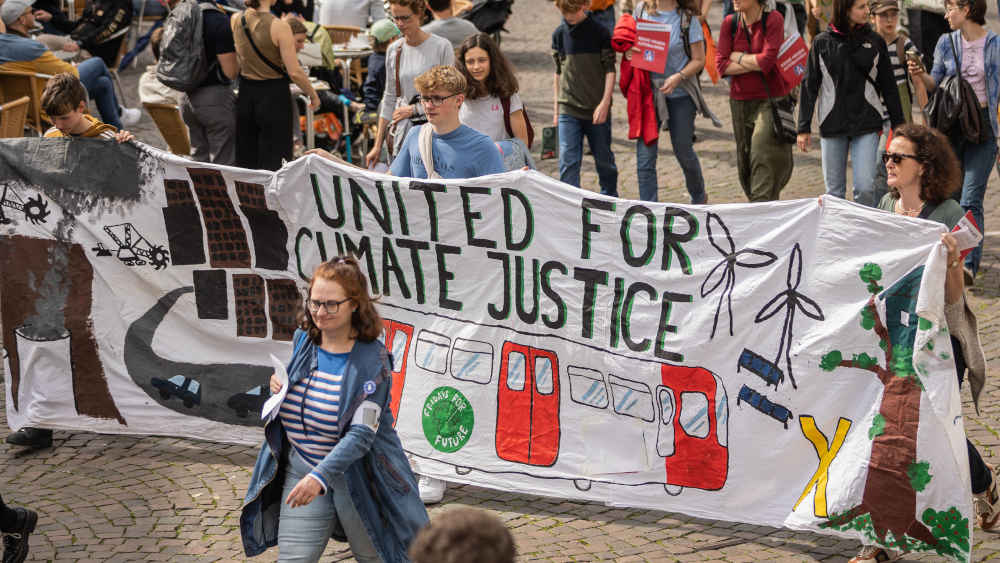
[(441, 77)]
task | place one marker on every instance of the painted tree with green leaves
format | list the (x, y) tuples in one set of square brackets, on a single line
[(895, 475)]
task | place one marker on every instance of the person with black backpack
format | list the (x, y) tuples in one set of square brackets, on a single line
[(975, 50), (849, 75), (198, 57)]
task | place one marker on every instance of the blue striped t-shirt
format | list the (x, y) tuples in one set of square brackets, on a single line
[(312, 426)]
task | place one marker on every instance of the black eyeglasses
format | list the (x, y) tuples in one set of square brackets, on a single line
[(401, 19), (331, 306), (436, 100), (897, 157)]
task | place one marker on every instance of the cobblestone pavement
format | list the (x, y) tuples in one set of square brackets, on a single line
[(110, 498)]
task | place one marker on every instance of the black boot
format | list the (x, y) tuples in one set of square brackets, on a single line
[(31, 437), (15, 540)]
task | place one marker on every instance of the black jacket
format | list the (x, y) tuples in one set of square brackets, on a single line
[(100, 20), (374, 84), (60, 22), (847, 75)]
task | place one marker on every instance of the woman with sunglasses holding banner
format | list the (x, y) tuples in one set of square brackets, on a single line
[(922, 171), (331, 464)]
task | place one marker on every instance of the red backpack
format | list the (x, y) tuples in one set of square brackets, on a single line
[(505, 102)]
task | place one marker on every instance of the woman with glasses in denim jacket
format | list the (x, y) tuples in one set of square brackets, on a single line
[(978, 54), (331, 464)]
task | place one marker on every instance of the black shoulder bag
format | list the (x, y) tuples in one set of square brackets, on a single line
[(267, 61), (953, 107)]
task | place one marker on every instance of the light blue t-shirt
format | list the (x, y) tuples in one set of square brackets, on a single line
[(676, 57), (463, 153)]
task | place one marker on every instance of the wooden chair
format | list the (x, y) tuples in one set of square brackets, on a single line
[(341, 34), (13, 116), (168, 120), (16, 84)]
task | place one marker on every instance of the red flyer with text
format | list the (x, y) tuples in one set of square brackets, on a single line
[(967, 234), (653, 42), (792, 58)]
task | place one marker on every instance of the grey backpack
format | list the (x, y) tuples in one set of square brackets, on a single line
[(183, 63)]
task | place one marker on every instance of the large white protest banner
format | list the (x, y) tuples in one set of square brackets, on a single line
[(781, 364)]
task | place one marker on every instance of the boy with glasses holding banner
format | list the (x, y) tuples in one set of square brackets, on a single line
[(443, 147)]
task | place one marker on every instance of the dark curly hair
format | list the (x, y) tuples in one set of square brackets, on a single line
[(942, 174), (500, 82), (365, 320)]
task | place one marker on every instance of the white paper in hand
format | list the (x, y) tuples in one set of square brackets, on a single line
[(967, 234), (272, 405)]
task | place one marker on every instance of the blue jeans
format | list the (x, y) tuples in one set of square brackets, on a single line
[(97, 80), (977, 163), (863, 151), (571, 133), (681, 124), (880, 185), (303, 532)]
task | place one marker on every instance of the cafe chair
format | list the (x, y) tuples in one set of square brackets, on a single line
[(167, 118), (13, 116), (340, 34), (15, 84)]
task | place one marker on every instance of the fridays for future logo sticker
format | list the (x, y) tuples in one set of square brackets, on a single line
[(447, 419)]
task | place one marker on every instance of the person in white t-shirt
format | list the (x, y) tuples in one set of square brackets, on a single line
[(491, 80), (351, 12)]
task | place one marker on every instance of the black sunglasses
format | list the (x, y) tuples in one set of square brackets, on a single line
[(897, 157)]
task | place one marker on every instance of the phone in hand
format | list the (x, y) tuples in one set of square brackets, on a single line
[(914, 57)]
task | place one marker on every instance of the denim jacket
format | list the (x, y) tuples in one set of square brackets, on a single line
[(944, 65), (378, 475)]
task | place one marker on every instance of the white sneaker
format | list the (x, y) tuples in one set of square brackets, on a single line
[(431, 489), (129, 116)]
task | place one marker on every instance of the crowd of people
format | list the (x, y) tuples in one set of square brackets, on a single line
[(443, 102), (856, 87)]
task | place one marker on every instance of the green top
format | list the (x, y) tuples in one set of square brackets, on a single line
[(948, 212)]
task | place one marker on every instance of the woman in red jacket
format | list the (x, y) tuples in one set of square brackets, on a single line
[(748, 52)]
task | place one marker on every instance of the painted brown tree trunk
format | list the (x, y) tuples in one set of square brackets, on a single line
[(33, 270), (889, 497)]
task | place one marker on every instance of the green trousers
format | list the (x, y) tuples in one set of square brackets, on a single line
[(764, 163)]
